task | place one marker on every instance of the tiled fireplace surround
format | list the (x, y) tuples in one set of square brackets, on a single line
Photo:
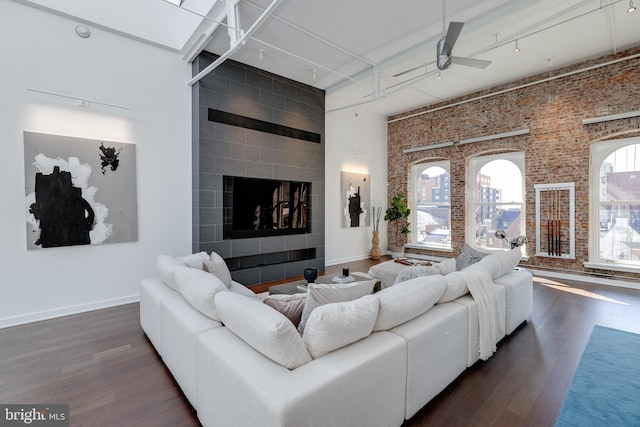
[(222, 149)]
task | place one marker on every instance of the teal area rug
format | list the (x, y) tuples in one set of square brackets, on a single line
[(605, 390)]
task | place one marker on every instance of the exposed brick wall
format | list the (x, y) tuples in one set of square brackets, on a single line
[(556, 150)]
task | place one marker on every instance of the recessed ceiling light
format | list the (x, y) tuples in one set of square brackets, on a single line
[(83, 31)]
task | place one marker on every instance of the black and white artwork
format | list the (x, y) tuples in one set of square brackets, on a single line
[(79, 191), (355, 199)]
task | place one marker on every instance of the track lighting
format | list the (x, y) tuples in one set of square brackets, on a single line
[(313, 74), (261, 54), (439, 75), (632, 8), (517, 48)]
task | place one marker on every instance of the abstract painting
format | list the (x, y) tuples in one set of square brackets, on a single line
[(355, 199), (79, 191)]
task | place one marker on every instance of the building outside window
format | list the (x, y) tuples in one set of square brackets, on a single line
[(615, 212), (430, 207), (496, 199)]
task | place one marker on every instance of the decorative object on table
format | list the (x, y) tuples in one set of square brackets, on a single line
[(345, 271), (375, 252), (344, 279), (79, 191), (516, 242), (397, 213), (310, 274), (355, 195)]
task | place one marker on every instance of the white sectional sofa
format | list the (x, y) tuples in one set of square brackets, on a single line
[(373, 361)]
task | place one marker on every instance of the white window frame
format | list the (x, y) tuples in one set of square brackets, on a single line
[(416, 171), (599, 152), (475, 165)]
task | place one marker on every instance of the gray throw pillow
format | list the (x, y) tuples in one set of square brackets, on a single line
[(468, 256)]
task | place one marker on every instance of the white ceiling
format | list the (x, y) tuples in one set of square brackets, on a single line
[(345, 41)]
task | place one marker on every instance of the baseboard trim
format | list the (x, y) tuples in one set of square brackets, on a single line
[(8, 322), (345, 260)]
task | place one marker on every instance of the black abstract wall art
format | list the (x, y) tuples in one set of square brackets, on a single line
[(79, 191)]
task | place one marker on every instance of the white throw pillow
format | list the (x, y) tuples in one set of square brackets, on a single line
[(166, 265), (263, 328), (194, 260), (289, 305), (415, 271), (456, 287), (447, 266), (407, 300), (333, 326), (501, 263), (199, 288), (243, 290), (320, 294), (216, 265)]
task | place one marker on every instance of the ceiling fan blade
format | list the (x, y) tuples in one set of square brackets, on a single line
[(470, 62), (452, 36)]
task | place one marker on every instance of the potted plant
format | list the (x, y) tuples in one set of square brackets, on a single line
[(397, 213)]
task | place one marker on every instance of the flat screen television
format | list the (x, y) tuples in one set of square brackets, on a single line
[(255, 207)]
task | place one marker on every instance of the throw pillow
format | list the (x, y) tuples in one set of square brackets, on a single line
[(447, 266), (289, 305), (407, 300), (263, 328), (415, 271), (216, 266), (468, 256), (194, 260), (199, 288), (166, 265), (319, 294), (336, 325), (455, 287)]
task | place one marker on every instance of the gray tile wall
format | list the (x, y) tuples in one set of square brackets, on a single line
[(220, 149)]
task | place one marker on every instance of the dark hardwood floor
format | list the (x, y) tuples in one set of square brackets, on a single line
[(102, 364)]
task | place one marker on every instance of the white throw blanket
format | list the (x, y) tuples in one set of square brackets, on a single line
[(483, 292)]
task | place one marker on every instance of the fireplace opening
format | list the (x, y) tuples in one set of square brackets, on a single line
[(255, 207)]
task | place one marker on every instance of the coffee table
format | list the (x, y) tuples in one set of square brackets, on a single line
[(299, 286)]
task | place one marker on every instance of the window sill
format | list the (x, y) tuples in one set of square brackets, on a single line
[(613, 266)]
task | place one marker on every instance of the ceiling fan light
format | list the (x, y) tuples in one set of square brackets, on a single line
[(632, 8), (439, 76)]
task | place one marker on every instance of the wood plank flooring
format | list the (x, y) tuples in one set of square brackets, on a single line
[(102, 364)]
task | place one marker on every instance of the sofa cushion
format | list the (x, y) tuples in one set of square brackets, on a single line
[(468, 256), (216, 266), (501, 263), (289, 305), (166, 265), (407, 300), (320, 294), (455, 287), (336, 325), (263, 328), (199, 288), (194, 260)]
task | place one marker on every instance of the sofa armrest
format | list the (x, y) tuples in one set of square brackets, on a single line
[(360, 384)]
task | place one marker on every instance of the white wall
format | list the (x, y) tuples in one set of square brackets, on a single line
[(42, 51), (355, 142)]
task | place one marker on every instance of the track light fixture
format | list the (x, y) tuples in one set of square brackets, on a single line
[(314, 74), (517, 48), (261, 54), (632, 8), (439, 75)]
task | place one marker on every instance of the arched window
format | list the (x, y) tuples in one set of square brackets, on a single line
[(430, 208), (496, 199), (615, 208)]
